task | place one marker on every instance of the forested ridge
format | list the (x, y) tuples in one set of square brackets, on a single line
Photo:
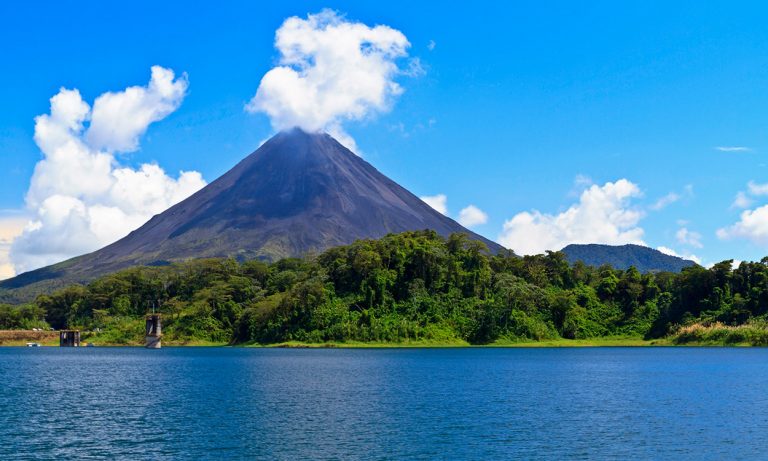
[(410, 287), (625, 256)]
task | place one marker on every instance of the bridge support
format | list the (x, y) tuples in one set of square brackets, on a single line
[(69, 338), (153, 332)]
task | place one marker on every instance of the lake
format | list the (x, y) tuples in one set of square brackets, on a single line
[(235, 403)]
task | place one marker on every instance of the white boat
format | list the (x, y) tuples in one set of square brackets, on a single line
[(33, 344)]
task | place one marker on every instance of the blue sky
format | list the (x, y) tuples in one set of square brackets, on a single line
[(520, 107)]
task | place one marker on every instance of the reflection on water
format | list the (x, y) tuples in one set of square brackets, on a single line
[(218, 403)]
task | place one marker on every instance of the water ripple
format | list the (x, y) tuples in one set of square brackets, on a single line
[(444, 404)]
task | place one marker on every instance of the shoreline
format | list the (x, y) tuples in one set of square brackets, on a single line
[(20, 338)]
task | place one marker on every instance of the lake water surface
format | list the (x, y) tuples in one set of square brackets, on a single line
[(232, 403)]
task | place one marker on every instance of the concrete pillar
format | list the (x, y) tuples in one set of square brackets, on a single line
[(69, 338), (154, 331)]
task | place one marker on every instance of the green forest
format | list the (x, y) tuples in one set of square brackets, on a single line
[(410, 288)]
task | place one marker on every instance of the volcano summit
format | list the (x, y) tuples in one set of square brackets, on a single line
[(298, 194)]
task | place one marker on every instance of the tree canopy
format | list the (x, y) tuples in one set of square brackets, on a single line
[(413, 286)]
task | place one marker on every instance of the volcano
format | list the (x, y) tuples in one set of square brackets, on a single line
[(298, 194)]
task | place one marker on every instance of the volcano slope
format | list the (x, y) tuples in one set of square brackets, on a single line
[(298, 194)]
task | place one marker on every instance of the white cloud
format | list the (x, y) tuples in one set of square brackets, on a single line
[(665, 201), (672, 197), (343, 138), (752, 225), (744, 199), (688, 256), (439, 202), (582, 181), (602, 215), (472, 216), (330, 71), (733, 149), (757, 189), (668, 251), (688, 237), (118, 119), (431, 45), (10, 227), (741, 201), (80, 197), (414, 68), (469, 216)]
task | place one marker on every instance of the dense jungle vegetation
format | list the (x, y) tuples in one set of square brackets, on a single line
[(410, 287)]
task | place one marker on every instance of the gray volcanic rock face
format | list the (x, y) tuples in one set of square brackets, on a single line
[(299, 193)]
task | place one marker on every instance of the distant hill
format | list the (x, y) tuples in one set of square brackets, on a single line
[(622, 257), (299, 193)]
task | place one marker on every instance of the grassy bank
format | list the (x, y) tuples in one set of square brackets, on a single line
[(22, 337), (364, 345), (51, 338), (106, 341), (593, 342), (718, 334)]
